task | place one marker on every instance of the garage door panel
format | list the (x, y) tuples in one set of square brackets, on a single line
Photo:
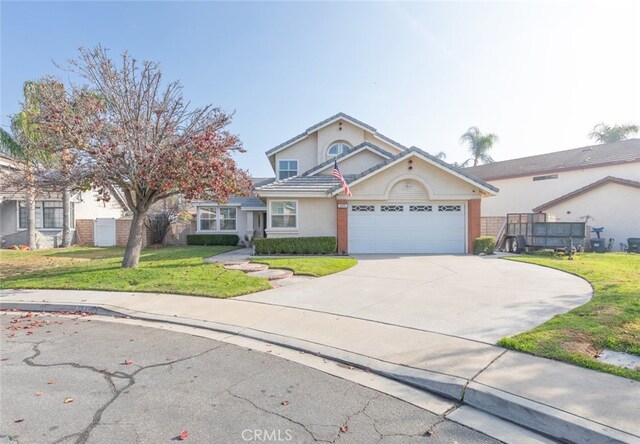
[(408, 231)]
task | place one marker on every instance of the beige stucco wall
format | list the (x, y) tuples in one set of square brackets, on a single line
[(304, 151), (381, 143), (312, 150), (612, 206), (522, 194), (89, 208), (316, 217), (441, 185), (357, 163)]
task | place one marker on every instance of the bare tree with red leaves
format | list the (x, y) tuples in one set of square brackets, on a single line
[(147, 143)]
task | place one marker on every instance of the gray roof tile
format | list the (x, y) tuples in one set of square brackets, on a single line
[(584, 157), (303, 184), (346, 153)]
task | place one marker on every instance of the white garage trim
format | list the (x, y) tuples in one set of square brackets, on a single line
[(407, 227)]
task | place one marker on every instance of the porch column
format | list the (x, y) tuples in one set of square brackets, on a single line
[(343, 227), (473, 223)]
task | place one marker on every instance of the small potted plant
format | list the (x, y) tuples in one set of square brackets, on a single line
[(247, 240)]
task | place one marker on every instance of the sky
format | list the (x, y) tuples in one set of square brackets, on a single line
[(540, 75)]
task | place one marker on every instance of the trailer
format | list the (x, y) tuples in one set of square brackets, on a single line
[(532, 231)]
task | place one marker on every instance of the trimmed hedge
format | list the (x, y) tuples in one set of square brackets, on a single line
[(213, 239), (296, 245), (484, 244)]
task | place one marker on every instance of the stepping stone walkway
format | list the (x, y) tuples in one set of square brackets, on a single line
[(260, 270)]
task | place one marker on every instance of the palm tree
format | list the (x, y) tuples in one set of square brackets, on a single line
[(479, 145), (604, 133), (23, 146), (440, 155)]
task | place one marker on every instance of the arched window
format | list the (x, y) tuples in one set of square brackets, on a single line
[(337, 148)]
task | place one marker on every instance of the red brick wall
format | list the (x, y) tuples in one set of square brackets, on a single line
[(490, 225), (343, 227), (84, 231), (122, 233), (473, 223)]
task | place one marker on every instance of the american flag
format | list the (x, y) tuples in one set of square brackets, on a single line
[(337, 175)]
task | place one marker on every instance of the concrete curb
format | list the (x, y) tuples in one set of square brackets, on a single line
[(523, 412)]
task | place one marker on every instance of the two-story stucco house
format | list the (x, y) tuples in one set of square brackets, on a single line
[(598, 184), (404, 200)]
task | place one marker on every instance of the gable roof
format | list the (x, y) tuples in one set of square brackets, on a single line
[(329, 121), (415, 151), (586, 189), (348, 153), (585, 157)]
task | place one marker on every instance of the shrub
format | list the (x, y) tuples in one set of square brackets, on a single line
[(484, 244), (296, 245), (213, 239)]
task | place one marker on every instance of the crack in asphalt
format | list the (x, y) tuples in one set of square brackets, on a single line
[(83, 435)]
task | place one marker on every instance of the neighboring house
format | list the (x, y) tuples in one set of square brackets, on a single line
[(597, 184), (49, 213), (404, 199)]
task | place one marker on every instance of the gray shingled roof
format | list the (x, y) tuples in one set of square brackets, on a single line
[(303, 184), (584, 157), (347, 153), (415, 149), (340, 115), (260, 181), (246, 201)]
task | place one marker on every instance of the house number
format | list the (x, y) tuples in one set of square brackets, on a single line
[(343, 206)]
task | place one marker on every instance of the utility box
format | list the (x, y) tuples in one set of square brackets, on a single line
[(598, 245)]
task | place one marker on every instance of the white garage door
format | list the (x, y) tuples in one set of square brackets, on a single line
[(407, 228)]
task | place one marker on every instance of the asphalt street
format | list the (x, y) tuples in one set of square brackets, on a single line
[(77, 379)]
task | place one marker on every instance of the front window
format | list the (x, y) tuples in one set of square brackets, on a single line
[(338, 148), (228, 219), (287, 168), (208, 217), (217, 219), (284, 214), (49, 215)]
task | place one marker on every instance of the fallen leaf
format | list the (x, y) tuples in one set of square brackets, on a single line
[(39, 393), (53, 381), (285, 402), (68, 400), (184, 435), (29, 332), (128, 362), (344, 429), (19, 420)]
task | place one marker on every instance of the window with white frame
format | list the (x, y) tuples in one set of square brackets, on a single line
[(337, 148), (287, 168), (49, 215), (217, 218), (284, 214), (227, 219), (208, 218)]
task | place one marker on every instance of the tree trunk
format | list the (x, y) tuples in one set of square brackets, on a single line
[(31, 217), (66, 218), (134, 244), (30, 200)]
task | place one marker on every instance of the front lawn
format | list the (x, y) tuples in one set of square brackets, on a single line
[(165, 270), (310, 266), (610, 320)]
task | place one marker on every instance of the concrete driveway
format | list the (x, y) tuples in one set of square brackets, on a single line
[(472, 297)]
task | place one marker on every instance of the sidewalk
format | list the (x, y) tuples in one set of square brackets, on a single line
[(562, 401)]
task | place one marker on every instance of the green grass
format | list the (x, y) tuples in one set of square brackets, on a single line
[(610, 320), (310, 266), (178, 270)]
